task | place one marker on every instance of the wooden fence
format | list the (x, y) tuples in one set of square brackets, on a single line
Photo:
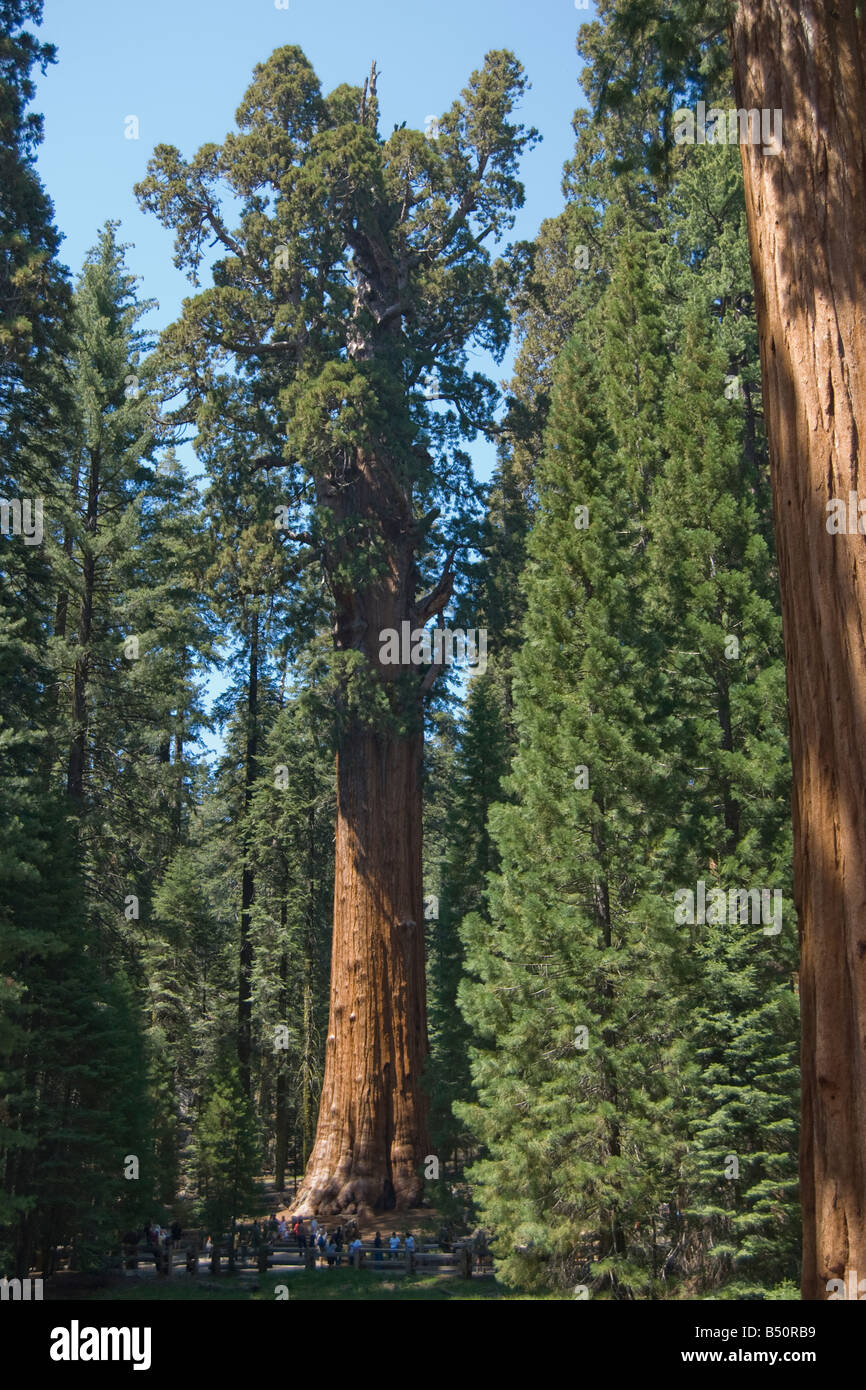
[(269, 1255)]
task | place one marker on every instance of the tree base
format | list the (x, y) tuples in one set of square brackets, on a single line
[(365, 1197)]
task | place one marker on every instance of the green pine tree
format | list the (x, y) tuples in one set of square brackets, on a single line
[(726, 760), (573, 1096), (476, 773)]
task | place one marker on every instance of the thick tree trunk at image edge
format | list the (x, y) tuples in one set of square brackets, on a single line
[(371, 1138), (806, 213)]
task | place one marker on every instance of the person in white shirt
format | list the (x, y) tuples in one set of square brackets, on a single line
[(394, 1243), (410, 1242)]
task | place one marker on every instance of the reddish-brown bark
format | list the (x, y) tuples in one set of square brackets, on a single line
[(371, 1137), (806, 214)]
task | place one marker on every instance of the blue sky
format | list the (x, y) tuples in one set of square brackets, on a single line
[(182, 66)]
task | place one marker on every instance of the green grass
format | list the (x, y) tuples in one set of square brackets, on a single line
[(336, 1285)]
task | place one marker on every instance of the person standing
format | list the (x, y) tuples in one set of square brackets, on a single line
[(394, 1244), (377, 1246)]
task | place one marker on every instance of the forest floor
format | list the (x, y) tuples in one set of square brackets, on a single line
[(329, 1285)]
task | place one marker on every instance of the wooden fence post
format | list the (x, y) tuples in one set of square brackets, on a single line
[(264, 1257), (465, 1262), (215, 1259)]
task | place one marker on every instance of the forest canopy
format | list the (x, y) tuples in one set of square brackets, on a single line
[(491, 908)]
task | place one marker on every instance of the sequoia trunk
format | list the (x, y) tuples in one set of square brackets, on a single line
[(806, 213), (371, 1138)]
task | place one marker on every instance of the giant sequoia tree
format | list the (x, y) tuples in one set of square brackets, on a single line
[(358, 272), (805, 206), (804, 202)]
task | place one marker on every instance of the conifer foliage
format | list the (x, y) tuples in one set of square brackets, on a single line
[(577, 993)]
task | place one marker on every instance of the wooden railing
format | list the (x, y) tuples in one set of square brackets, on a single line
[(269, 1255)]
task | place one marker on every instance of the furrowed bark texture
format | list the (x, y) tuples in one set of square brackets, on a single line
[(372, 1120), (372, 1137), (807, 215)]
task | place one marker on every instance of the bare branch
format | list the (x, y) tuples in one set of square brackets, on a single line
[(394, 311), (438, 597), (221, 231), (458, 217), (269, 461), (430, 676)]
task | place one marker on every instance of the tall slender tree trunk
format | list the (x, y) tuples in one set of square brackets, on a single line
[(62, 609), (78, 749), (806, 213), (245, 965), (725, 719), (281, 1134), (177, 805)]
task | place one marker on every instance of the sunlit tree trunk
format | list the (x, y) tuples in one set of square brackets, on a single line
[(806, 213), (81, 678), (372, 1138), (245, 962)]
